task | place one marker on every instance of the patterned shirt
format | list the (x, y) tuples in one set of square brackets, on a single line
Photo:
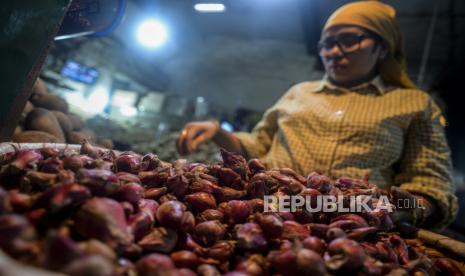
[(393, 135)]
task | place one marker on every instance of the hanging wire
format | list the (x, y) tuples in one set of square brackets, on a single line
[(429, 41)]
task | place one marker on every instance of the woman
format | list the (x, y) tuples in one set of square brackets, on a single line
[(365, 117)]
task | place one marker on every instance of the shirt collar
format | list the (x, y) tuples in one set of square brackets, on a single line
[(377, 82)]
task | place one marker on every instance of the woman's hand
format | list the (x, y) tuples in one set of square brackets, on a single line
[(410, 207), (195, 133)]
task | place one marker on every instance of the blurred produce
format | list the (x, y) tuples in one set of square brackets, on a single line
[(45, 118), (41, 119), (165, 148), (88, 213), (35, 136)]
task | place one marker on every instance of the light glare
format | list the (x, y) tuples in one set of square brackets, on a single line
[(152, 33), (209, 7)]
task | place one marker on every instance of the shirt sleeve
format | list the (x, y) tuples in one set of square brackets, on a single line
[(426, 168), (257, 143)]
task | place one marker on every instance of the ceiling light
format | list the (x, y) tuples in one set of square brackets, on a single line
[(209, 7), (152, 33)]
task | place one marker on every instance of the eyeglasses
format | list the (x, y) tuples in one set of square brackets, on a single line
[(347, 43)]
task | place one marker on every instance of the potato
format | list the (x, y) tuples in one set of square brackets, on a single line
[(34, 136), (64, 121), (39, 87), (76, 121), (28, 107), (18, 130), (43, 120), (106, 143), (76, 137), (51, 102)]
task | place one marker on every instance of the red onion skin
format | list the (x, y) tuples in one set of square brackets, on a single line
[(88, 149), (303, 216), (344, 224), (25, 159), (319, 182), (283, 261), (128, 209), (225, 194), (250, 238), (207, 233), (203, 185), (5, 205), (20, 202), (128, 162), (272, 225), (36, 216), (12, 228), (359, 234), (255, 166), (130, 192), (178, 185), (286, 216), (318, 229), (315, 244), (401, 248), (221, 250), (89, 265), (156, 178), (60, 250), (99, 182), (103, 219), (185, 259), (350, 249), (335, 233), (227, 176), (37, 181), (256, 205), (360, 221), (76, 162), (149, 206), (310, 262), (292, 229), (170, 214), (62, 197), (447, 267), (140, 224), (207, 270), (210, 214), (150, 162), (187, 222), (201, 201), (186, 242), (125, 177), (254, 265), (155, 193), (151, 264), (161, 239), (49, 152), (51, 165), (167, 197), (236, 212), (236, 162), (99, 248)]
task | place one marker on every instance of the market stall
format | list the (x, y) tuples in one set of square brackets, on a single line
[(129, 150)]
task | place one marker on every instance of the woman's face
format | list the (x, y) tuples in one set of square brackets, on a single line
[(350, 54)]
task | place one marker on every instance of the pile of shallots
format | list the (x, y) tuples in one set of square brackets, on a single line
[(95, 213)]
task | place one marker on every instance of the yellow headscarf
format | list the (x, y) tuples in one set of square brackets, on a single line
[(380, 19)]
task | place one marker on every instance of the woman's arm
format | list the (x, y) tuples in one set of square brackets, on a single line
[(426, 170)]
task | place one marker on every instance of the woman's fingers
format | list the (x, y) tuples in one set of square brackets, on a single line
[(199, 139), (180, 141), (193, 134)]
